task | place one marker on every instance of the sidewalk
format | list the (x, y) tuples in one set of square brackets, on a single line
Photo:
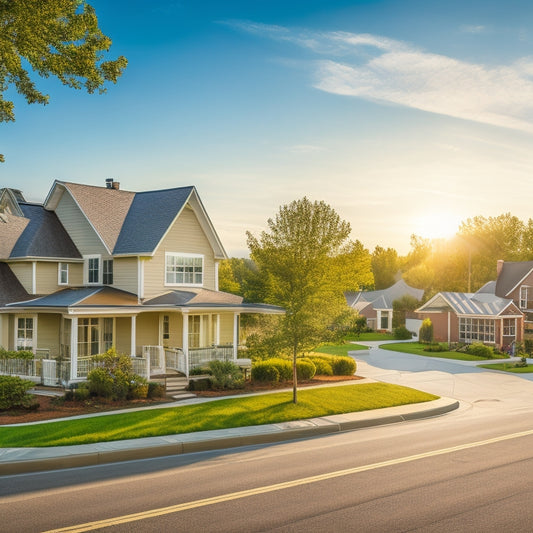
[(24, 460)]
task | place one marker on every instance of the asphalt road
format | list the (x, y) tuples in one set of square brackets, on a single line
[(470, 470)]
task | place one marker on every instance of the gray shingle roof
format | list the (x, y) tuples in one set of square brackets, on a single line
[(195, 297), (149, 217), (382, 299), (43, 236), (511, 275), (11, 290), (82, 297)]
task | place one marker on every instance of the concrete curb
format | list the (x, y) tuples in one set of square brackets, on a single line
[(25, 460)]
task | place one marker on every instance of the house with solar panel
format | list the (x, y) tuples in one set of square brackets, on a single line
[(97, 267), (496, 314)]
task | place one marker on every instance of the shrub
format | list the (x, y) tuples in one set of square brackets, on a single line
[(434, 347), (13, 393), (155, 390), (78, 392), (481, 350), (344, 366), (322, 365), (265, 371), (199, 371), (199, 384), (138, 388), (305, 369), (402, 333), (284, 367), (225, 375), (100, 383), (16, 354), (426, 331), (114, 377)]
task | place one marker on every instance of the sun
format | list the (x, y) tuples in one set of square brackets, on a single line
[(436, 225)]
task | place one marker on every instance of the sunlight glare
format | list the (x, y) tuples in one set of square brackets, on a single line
[(442, 225)]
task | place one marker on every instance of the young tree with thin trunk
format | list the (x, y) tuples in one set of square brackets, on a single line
[(299, 259)]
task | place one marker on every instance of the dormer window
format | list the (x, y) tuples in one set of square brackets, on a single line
[(184, 269)]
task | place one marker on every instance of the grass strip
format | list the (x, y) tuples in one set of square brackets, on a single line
[(219, 414), (508, 367), (418, 349)]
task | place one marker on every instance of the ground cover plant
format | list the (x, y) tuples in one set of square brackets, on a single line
[(509, 367), (418, 348), (339, 349), (218, 414)]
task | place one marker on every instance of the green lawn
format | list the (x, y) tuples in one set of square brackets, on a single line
[(219, 414), (371, 336), (418, 349), (339, 349), (508, 367)]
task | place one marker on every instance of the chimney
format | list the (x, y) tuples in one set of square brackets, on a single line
[(499, 266), (110, 183)]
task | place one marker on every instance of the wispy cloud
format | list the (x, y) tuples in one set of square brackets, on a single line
[(472, 28), (380, 69)]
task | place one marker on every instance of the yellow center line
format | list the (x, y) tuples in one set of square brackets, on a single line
[(90, 526)]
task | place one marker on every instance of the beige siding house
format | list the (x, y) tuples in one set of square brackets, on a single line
[(98, 267)]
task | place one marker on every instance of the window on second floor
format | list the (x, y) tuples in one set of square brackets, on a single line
[(184, 269), (107, 277), (92, 267), (524, 297), (62, 274)]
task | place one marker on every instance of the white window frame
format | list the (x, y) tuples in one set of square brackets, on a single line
[(99, 324), (523, 296), (169, 255), (33, 346), (86, 259), (62, 268)]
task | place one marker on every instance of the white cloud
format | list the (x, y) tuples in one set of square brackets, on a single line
[(380, 69), (472, 28)]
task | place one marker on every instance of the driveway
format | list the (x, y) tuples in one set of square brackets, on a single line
[(461, 380)]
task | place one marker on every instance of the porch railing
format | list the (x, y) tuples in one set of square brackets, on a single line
[(24, 368), (202, 356), (140, 366)]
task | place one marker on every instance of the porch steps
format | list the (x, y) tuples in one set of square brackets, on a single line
[(176, 386)]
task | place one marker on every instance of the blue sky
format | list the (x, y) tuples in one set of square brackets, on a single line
[(405, 116)]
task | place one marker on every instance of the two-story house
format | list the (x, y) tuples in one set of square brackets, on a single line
[(95, 267)]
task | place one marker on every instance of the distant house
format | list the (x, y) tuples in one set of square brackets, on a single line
[(499, 313), (376, 306), (96, 267)]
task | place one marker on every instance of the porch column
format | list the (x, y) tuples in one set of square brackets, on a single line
[(217, 330), (133, 335), (185, 339), (235, 335), (73, 348)]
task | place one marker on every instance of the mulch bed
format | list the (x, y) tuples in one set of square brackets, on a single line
[(50, 408)]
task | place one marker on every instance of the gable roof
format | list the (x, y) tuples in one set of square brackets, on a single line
[(511, 275), (150, 216), (469, 304), (9, 200), (11, 228), (11, 290), (382, 299), (43, 236), (130, 223)]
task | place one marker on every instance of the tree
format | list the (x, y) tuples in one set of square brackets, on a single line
[(54, 37), (401, 307), (298, 257), (385, 267)]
